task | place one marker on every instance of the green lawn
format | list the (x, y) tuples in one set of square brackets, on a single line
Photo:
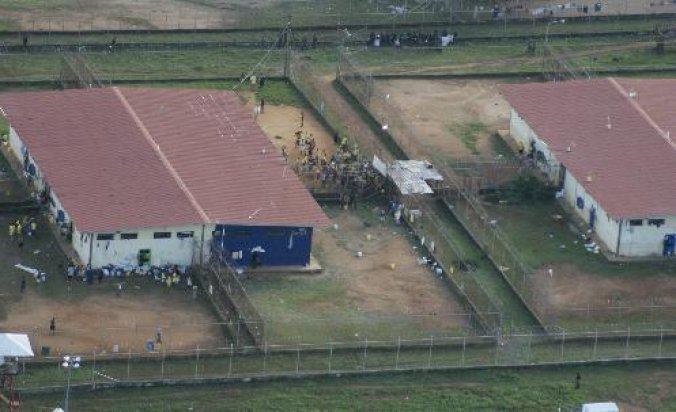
[(647, 386), (493, 285), (231, 62), (539, 240)]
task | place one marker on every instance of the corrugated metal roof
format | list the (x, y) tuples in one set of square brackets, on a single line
[(129, 158), (619, 145)]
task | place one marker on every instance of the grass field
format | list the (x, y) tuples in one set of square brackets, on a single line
[(531, 225), (590, 54), (644, 386)]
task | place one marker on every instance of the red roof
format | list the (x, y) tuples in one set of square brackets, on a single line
[(618, 134), (129, 158)]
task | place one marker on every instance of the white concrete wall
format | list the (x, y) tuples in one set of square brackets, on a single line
[(605, 227), (645, 240), (124, 252), (17, 147), (522, 133)]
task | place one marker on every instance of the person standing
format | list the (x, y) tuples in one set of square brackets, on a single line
[(262, 106), (578, 381), (52, 326), (23, 284)]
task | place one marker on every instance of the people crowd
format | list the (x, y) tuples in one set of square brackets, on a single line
[(167, 275), (22, 228), (415, 38), (344, 171)]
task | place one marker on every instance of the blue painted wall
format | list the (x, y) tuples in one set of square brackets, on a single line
[(284, 246)]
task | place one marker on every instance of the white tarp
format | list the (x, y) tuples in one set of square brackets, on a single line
[(411, 176), (379, 165), (15, 345)]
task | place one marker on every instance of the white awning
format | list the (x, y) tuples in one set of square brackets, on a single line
[(15, 345)]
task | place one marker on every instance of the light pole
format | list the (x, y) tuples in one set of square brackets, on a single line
[(69, 363)]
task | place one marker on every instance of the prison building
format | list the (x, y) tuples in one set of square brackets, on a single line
[(157, 176), (607, 145)]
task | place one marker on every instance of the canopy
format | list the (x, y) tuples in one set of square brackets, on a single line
[(15, 345)]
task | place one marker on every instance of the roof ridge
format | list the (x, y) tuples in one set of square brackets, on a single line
[(163, 158), (664, 135)]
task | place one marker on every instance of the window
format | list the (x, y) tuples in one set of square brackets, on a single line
[(636, 222), (277, 232), (129, 236), (185, 235), (105, 236), (162, 235), (655, 222)]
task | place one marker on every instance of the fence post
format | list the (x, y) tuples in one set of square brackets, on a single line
[(530, 342), (197, 360), (429, 356), (366, 345), (298, 358), (237, 336), (265, 356), (93, 370), (330, 355), (464, 344), (626, 348), (232, 354), (396, 364), (659, 348), (563, 343), (497, 349), (596, 340)]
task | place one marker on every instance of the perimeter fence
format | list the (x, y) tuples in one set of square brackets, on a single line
[(300, 359)]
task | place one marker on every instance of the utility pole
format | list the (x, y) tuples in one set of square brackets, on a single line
[(287, 55)]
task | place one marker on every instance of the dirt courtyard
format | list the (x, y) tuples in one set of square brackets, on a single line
[(100, 321), (371, 283), (450, 118)]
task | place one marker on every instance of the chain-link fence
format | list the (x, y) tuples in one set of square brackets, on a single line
[(299, 359)]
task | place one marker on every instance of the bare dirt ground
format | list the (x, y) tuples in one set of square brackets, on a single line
[(280, 124), (128, 14), (569, 287), (98, 322), (372, 285), (437, 110)]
